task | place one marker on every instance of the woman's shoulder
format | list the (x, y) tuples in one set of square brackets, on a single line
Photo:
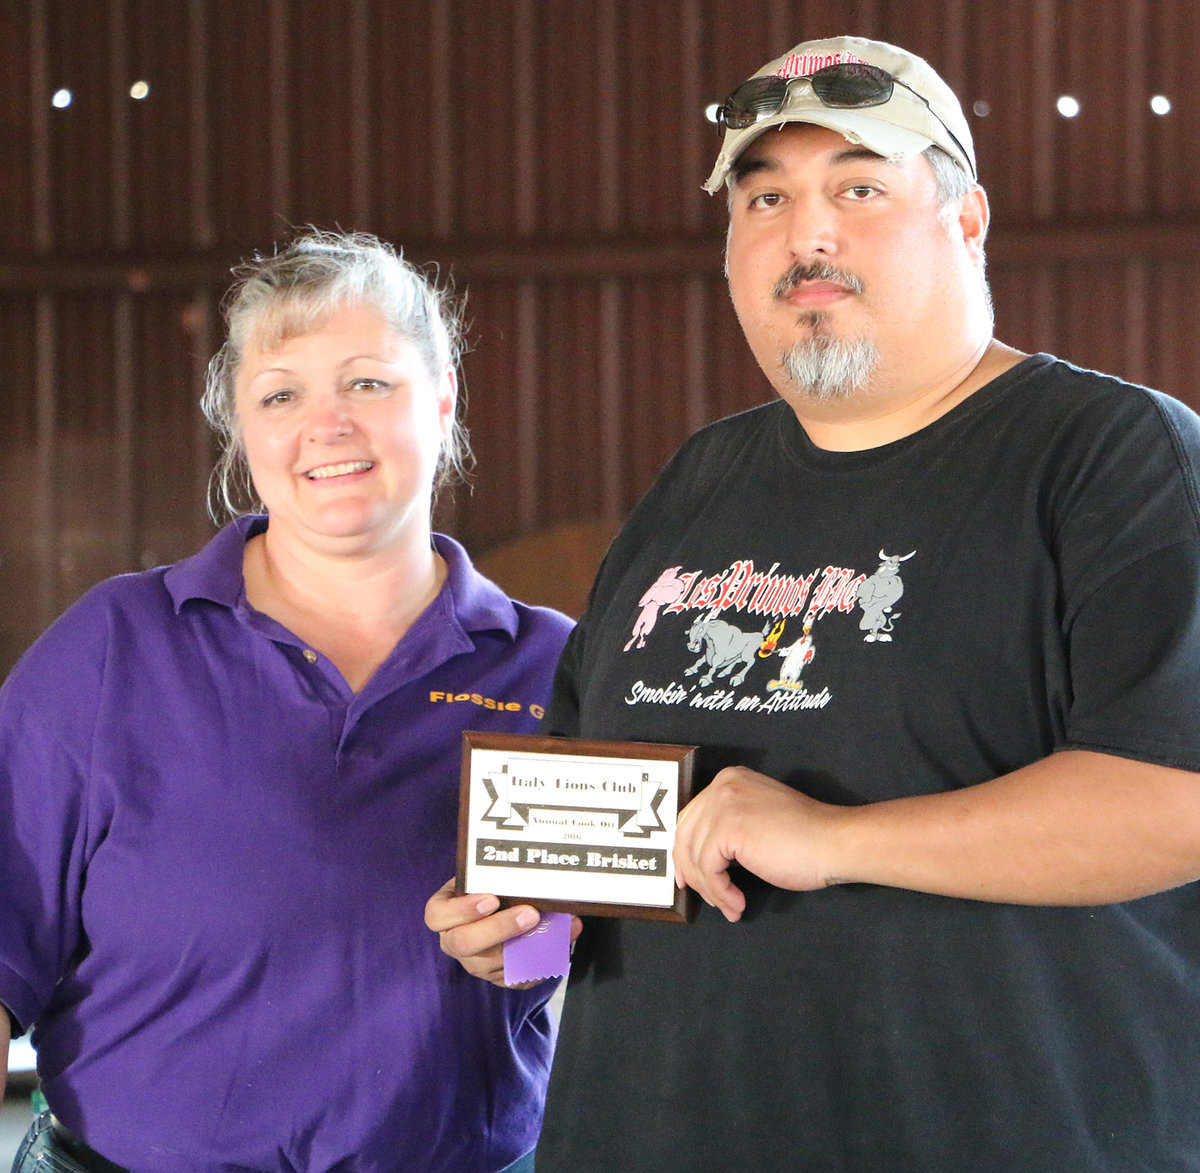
[(544, 623), (78, 642), (480, 603)]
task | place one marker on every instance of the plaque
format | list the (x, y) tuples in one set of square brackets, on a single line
[(573, 826)]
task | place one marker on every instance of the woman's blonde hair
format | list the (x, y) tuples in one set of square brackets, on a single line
[(290, 293)]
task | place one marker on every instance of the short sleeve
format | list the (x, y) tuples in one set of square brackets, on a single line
[(1130, 564), (42, 848)]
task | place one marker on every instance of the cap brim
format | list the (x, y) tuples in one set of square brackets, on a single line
[(859, 126)]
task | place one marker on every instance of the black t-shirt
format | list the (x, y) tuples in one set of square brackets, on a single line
[(1019, 577)]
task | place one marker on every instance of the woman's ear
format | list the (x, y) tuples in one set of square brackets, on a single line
[(447, 401)]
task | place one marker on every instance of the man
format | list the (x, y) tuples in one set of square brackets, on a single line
[(952, 922)]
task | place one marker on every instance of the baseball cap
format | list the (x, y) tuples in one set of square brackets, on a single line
[(922, 110)]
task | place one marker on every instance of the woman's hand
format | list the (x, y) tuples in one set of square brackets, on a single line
[(472, 929)]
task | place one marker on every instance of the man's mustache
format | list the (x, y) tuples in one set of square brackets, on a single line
[(816, 271)]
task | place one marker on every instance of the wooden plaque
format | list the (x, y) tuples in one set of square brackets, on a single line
[(568, 825)]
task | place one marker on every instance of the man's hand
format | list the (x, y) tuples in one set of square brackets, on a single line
[(767, 827), (1075, 828), (472, 929)]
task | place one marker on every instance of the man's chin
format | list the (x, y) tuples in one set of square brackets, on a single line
[(825, 368)]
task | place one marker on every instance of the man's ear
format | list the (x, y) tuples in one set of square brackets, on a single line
[(973, 218)]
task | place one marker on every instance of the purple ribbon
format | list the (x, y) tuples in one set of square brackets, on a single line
[(543, 952)]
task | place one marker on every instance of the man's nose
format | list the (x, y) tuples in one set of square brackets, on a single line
[(812, 228)]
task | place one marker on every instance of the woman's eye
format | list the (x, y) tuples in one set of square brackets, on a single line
[(369, 385), (276, 398)]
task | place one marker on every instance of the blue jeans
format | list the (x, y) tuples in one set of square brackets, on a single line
[(40, 1152)]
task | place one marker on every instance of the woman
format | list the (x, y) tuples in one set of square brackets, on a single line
[(228, 786)]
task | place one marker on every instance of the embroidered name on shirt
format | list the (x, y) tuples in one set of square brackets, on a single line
[(484, 702)]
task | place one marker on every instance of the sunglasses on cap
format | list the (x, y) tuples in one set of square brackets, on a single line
[(851, 85)]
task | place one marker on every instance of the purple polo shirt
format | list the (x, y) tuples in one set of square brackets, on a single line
[(214, 861)]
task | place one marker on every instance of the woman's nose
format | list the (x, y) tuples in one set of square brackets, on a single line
[(329, 420)]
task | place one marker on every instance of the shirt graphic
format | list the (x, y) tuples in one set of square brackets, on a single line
[(752, 642)]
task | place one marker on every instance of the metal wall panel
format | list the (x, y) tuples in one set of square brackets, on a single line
[(548, 155)]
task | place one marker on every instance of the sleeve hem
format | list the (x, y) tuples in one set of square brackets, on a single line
[(1154, 755), (18, 998)]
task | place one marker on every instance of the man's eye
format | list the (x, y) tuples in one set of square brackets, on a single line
[(768, 199)]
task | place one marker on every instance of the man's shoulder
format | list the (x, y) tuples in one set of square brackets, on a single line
[(716, 443), (1045, 392), (1078, 384), (751, 421), (1114, 461)]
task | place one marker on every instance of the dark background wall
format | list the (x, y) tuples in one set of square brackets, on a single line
[(548, 155)]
